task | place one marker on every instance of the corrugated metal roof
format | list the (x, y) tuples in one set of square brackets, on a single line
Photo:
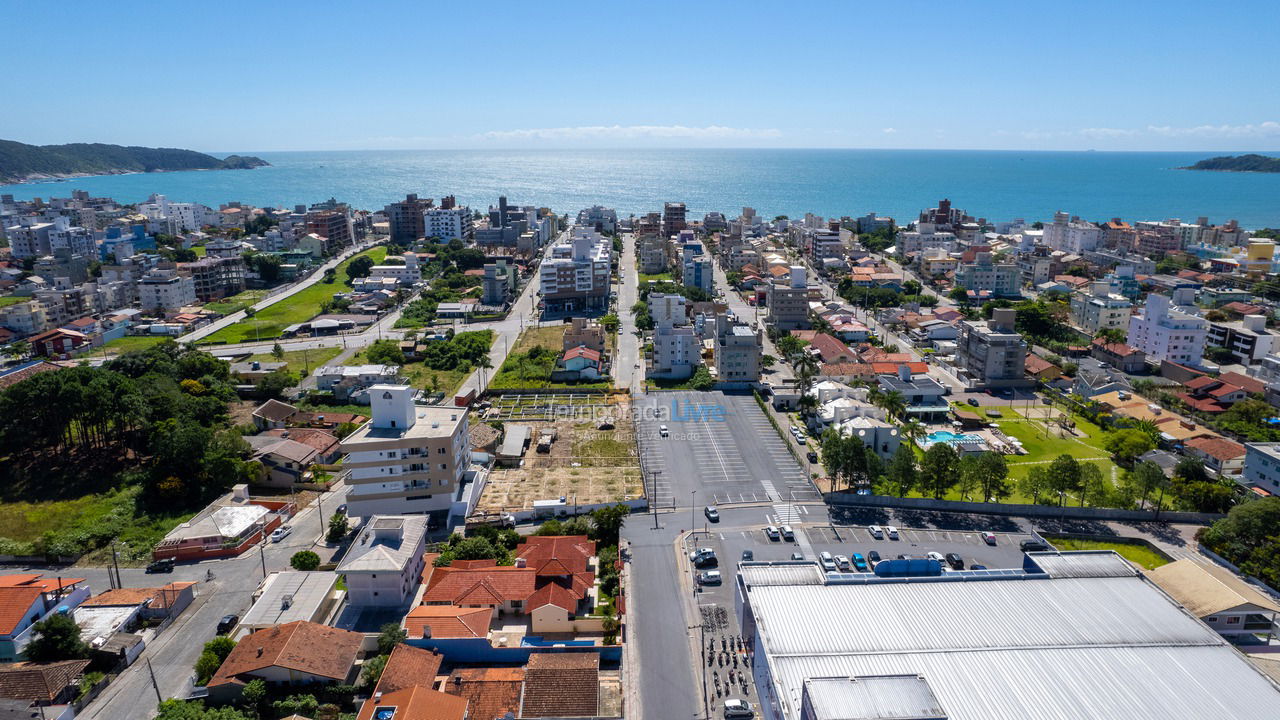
[(786, 573), (1087, 563), (1026, 647), (883, 697)]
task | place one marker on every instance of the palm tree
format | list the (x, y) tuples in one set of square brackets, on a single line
[(806, 368), (894, 403), (912, 430)]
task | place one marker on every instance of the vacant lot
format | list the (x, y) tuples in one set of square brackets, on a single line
[(302, 362), (524, 371), (1138, 554), (300, 307), (237, 302), (128, 343)]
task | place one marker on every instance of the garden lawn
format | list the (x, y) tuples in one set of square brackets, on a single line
[(300, 307), (660, 277), (1135, 553), (1032, 436), (130, 343), (8, 300)]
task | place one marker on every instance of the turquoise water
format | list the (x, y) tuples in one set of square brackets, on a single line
[(947, 436), (989, 184)]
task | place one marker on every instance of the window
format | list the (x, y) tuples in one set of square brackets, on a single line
[(1234, 620)]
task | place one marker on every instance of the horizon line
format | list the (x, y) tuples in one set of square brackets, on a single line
[(740, 148)]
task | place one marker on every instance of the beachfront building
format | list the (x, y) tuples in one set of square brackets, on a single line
[(1168, 329)]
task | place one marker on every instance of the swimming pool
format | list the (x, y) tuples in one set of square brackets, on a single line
[(947, 436)]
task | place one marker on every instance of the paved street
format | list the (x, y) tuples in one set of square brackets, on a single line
[(628, 370)]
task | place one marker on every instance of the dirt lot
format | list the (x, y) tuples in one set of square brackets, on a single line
[(586, 465)]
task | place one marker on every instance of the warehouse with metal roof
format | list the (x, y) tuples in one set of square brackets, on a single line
[(1071, 635)]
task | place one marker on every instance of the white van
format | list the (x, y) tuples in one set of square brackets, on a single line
[(828, 562)]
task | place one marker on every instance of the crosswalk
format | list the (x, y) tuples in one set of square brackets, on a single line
[(786, 513)]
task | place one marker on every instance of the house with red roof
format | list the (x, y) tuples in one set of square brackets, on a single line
[(1124, 358), (1219, 454), (583, 362), (830, 350), (1212, 395), (58, 343), (28, 598)]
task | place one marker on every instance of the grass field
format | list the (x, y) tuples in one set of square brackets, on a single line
[(300, 307), (1135, 553), (199, 250), (520, 372), (236, 302), (302, 361), (23, 524), (660, 277), (8, 300), (128, 343), (1031, 433)]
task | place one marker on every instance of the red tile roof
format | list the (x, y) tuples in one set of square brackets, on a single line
[(1240, 308), (1204, 381), (1117, 349), (1203, 405), (891, 368), (1250, 385), (831, 349), (553, 594), (458, 586), (417, 703), (851, 369), (1036, 364), (582, 351), (301, 646), (571, 552), (16, 376), (18, 593), (490, 692), (39, 681), (561, 685), (323, 442), (1218, 448), (409, 666), (447, 621)]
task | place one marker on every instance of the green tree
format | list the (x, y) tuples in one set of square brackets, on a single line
[(1035, 483), (1092, 484), (390, 635), (902, 475), (253, 696), (610, 323), (1144, 478), (359, 267), (304, 560), (768, 361), (273, 384), (215, 652), (1128, 444), (608, 523), (372, 671), (1248, 537), (958, 294), (938, 470), (277, 352), (789, 346), (702, 379), (1064, 476), (338, 527), (195, 710), (56, 638), (384, 352), (993, 477)]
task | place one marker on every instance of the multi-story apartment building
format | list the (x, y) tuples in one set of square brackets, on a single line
[(407, 459), (1262, 466), (499, 281), (405, 274), (1187, 234), (676, 352), (576, 277), (162, 289), (406, 219), (1003, 280), (652, 251), (449, 223), (182, 216), (991, 353), (668, 309), (27, 318), (332, 225), (384, 565), (737, 351), (1250, 340), (788, 302), (872, 222), (1071, 234), (1167, 329), (695, 264), (1097, 308), (1118, 234), (216, 277), (673, 218), (714, 222), (1156, 241), (603, 219), (926, 236)]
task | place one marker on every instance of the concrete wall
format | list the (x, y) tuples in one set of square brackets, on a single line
[(841, 499)]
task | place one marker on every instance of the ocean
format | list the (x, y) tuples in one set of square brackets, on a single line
[(997, 185)]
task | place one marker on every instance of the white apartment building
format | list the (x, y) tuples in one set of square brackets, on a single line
[(449, 223), (406, 274), (1262, 466), (991, 353), (1004, 280), (926, 236), (576, 277), (668, 309), (601, 218), (28, 241), (1250, 339), (184, 217), (1165, 331), (26, 318), (1099, 309), (165, 290), (1188, 234), (384, 565), (676, 352), (408, 459), (1071, 234), (46, 238)]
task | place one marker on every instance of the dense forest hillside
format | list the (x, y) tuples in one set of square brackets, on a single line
[(19, 161), (1238, 163)]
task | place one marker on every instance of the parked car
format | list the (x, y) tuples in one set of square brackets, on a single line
[(709, 577), (813, 456), (891, 531), (860, 563), (936, 556), (793, 430), (972, 401), (876, 532), (828, 563), (772, 533), (748, 555), (664, 431), (797, 556), (161, 566), (712, 513), (735, 709), (704, 557), (873, 557), (227, 624), (989, 538), (843, 563), (1032, 546), (955, 561), (280, 533), (801, 439), (788, 533), (977, 567)]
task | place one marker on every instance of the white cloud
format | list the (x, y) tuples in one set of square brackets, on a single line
[(632, 132), (889, 131), (1260, 130)]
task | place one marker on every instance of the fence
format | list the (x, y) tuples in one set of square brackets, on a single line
[(843, 499)]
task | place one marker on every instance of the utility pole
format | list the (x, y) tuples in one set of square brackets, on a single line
[(115, 562), (154, 685), (262, 529)]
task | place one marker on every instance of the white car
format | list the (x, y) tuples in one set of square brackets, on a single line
[(280, 533), (663, 431), (843, 563), (937, 556), (709, 577), (892, 531), (787, 533), (876, 532), (989, 538), (772, 533), (828, 563)]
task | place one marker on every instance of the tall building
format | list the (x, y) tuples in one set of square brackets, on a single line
[(1097, 308), (696, 266), (676, 352), (214, 278), (603, 219), (737, 351), (991, 353), (451, 223), (788, 302), (406, 219), (1071, 234), (1249, 339), (576, 276), (1167, 329), (408, 458), (165, 290), (673, 218), (1003, 280), (332, 225), (498, 282)]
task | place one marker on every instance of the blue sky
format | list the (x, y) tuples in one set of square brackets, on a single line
[(383, 75)]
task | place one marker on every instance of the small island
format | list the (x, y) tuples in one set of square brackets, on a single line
[(20, 162), (1238, 163)]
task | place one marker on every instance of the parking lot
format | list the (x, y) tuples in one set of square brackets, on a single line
[(721, 445)]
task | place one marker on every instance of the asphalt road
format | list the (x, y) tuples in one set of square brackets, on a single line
[(628, 371)]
